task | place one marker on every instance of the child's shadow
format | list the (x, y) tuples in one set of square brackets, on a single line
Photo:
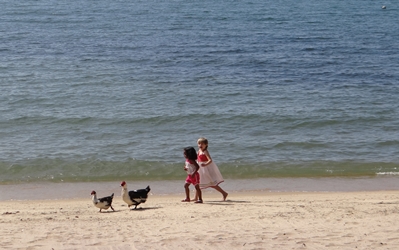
[(226, 202)]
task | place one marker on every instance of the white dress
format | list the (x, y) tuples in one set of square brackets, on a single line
[(210, 175)]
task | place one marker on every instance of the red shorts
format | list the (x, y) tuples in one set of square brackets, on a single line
[(193, 180)]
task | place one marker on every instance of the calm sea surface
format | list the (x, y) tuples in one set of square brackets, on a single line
[(110, 90)]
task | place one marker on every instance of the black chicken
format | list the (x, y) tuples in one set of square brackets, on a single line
[(135, 197)]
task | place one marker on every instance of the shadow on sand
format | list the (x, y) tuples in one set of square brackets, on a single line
[(144, 208), (226, 202)]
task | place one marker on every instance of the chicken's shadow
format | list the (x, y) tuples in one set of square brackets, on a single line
[(144, 208), (109, 212)]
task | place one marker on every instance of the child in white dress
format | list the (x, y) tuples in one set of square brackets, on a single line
[(210, 175)]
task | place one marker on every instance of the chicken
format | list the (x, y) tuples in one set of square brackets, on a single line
[(135, 197), (102, 203)]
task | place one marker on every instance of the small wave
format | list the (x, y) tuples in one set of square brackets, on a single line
[(96, 169), (388, 173)]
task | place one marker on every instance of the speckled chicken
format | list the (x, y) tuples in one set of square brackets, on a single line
[(102, 203)]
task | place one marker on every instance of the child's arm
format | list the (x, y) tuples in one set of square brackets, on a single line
[(185, 167), (208, 156), (196, 168)]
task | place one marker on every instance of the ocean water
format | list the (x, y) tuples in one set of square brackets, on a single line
[(99, 91)]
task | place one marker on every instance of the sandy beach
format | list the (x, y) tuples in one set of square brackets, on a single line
[(247, 220)]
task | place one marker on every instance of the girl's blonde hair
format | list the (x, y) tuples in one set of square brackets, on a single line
[(203, 140)]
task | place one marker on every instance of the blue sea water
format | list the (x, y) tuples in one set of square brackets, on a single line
[(105, 90)]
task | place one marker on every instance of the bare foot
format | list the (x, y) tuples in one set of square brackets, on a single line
[(225, 196)]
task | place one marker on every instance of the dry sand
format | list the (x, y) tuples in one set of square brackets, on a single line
[(247, 220)]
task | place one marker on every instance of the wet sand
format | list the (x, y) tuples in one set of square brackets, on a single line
[(44, 191)]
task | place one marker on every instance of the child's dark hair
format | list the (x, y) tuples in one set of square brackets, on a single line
[(191, 154)]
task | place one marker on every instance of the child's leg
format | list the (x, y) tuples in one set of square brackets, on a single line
[(196, 195), (224, 193), (187, 191), (199, 193)]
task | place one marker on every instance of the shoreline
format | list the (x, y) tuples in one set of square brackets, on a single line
[(247, 220), (82, 190)]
